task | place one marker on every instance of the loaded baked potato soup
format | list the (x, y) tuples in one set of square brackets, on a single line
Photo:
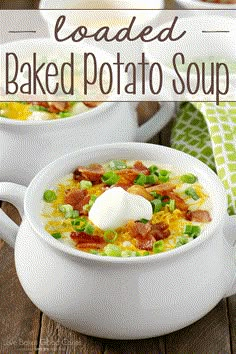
[(40, 111), (126, 209)]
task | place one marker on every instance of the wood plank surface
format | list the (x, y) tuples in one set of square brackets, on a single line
[(209, 335), (56, 338), (19, 318), (232, 321), (146, 346)]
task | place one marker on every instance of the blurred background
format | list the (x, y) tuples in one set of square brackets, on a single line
[(33, 4)]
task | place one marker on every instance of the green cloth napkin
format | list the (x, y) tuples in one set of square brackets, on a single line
[(208, 132)]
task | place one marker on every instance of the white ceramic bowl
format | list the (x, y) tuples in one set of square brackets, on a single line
[(28, 146), (93, 19), (197, 47), (116, 297), (198, 4)]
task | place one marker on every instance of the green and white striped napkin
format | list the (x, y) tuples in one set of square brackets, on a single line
[(208, 132)]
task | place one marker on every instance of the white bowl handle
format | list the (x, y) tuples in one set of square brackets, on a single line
[(230, 232), (12, 193)]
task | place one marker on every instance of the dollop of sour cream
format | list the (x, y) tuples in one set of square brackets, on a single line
[(115, 207)]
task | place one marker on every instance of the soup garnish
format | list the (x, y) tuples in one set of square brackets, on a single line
[(43, 110), (126, 209)]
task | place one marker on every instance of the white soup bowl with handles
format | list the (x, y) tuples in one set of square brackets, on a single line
[(122, 298)]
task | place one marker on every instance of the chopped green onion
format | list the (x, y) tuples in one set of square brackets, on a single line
[(57, 235), (146, 253), (153, 170), (164, 176), (112, 250), (152, 179), (79, 224), (89, 229), (126, 254), (110, 178), (190, 192), (144, 221), (68, 211), (189, 178), (140, 180), (88, 206), (110, 236), (64, 114), (181, 241), (94, 252), (36, 108), (158, 247), (172, 205), (192, 230), (156, 205), (49, 196), (85, 184), (156, 195), (188, 229), (117, 165), (165, 200), (74, 214), (65, 208)]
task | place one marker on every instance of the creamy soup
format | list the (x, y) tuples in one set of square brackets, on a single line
[(40, 111), (126, 209)]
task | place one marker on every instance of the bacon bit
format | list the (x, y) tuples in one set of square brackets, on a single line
[(166, 190), (92, 173), (122, 185), (138, 229), (77, 176), (147, 234), (92, 104), (141, 168), (145, 244), (160, 231), (42, 104), (127, 176), (180, 203), (140, 190), (162, 189), (83, 240), (199, 216), (78, 199), (57, 107)]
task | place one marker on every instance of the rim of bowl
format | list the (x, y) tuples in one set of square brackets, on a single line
[(43, 3), (205, 5), (168, 69), (37, 225), (84, 115), (49, 19), (80, 116)]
